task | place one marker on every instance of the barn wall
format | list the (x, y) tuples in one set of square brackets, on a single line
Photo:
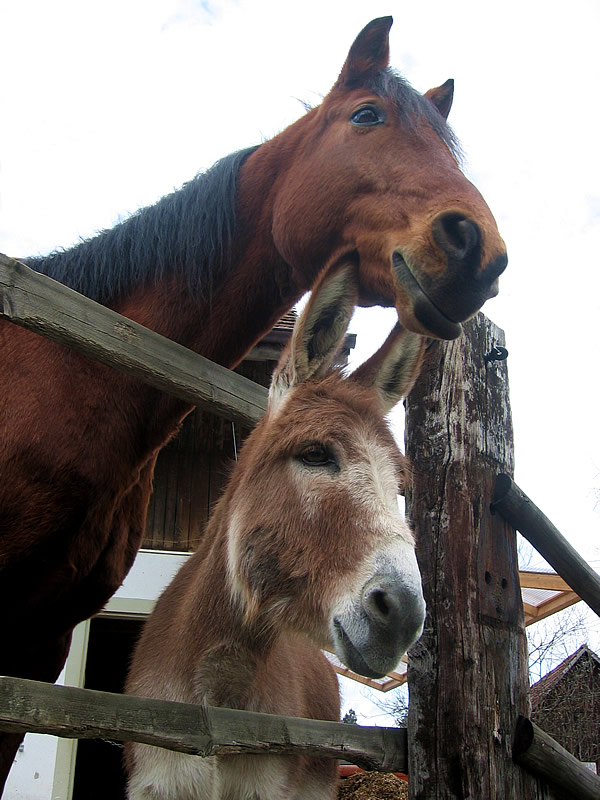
[(191, 472)]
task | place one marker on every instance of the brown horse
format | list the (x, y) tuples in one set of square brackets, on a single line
[(370, 177), (306, 549)]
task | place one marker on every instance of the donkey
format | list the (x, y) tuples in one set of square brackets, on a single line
[(306, 550)]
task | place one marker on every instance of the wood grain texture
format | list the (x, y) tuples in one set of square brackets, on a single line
[(86, 714), (467, 675)]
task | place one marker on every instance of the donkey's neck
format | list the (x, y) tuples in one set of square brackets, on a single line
[(234, 653)]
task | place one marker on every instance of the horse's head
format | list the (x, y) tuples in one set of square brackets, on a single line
[(379, 181), (316, 540)]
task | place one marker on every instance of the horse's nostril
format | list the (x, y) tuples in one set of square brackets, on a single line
[(457, 235)]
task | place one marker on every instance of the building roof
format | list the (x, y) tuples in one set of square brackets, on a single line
[(552, 678), (270, 346)]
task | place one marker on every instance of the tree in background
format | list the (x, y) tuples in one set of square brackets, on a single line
[(395, 703), (550, 641)]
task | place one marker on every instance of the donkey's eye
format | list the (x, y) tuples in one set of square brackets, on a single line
[(317, 455), (367, 115)]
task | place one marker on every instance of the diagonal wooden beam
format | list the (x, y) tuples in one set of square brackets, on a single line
[(541, 755), (51, 309), (517, 509)]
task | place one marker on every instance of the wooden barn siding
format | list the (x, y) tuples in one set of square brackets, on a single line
[(191, 473)]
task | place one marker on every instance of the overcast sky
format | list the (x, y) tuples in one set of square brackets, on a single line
[(107, 106)]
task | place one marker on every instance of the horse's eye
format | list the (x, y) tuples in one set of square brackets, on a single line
[(317, 455), (367, 115)]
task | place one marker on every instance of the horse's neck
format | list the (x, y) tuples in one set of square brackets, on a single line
[(223, 328), (244, 305), (254, 292)]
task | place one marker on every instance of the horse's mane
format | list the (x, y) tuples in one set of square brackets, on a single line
[(414, 107), (188, 233)]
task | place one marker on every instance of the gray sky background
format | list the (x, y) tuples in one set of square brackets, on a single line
[(107, 106)]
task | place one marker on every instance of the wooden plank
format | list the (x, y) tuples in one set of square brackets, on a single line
[(514, 505), (159, 504), (467, 675), (51, 309), (85, 714), (185, 487), (172, 539), (383, 686), (543, 580), (555, 604), (543, 756), (531, 611)]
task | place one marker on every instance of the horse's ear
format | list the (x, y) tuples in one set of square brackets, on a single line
[(318, 333), (442, 97), (369, 55), (394, 368)]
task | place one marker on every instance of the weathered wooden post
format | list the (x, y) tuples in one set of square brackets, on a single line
[(468, 678)]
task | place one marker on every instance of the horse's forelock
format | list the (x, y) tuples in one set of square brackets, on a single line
[(413, 108)]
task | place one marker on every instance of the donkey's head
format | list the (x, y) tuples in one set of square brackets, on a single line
[(316, 540)]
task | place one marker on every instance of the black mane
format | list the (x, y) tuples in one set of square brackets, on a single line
[(188, 233), (414, 107)]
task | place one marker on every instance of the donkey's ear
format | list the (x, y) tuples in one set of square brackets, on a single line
[(369, 55), (319, 331), (442, 97), (394, 368)]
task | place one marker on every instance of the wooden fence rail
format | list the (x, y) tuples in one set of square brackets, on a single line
[(45, 306), (49, 308), (514, 505), (541, 755), (32, 706)]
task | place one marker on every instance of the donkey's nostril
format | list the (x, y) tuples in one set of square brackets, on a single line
[(456, 235), (379, 605), (380, 601)]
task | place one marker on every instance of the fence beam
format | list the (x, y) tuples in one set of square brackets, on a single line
[(514, 505), (541, 755), (32, 706), (45, 306)]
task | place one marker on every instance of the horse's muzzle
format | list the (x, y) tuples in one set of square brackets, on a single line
[(442, 299)]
